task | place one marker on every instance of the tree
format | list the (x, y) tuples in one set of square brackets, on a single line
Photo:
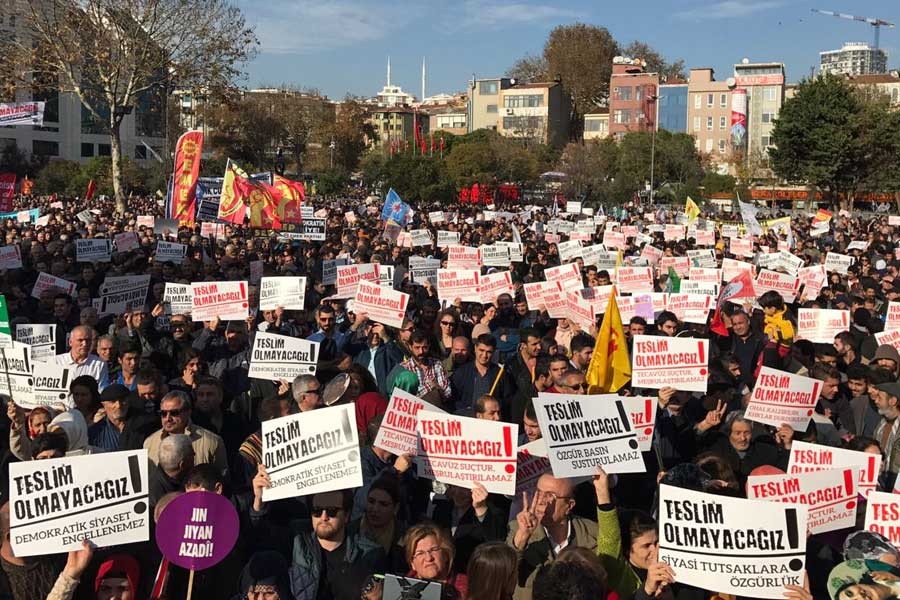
[(816, 136), (879, 129), (350, 132), (656, 62), (112, 54), (472, 162), (242, 128), (676, 165), (590, 167), (529, 68), (580, 56)]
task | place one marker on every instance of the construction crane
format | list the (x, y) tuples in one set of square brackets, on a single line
[(877, 24)]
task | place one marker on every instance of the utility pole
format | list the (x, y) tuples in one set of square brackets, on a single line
[(652, 99), (331, 147)]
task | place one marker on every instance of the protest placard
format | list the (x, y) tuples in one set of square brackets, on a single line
[(705, 258), (214, 230), (423, 269), (894, 220), (287, 292), (85, 216), (741, 247), (691, 308), (40, 337), (397, 433), (808, 458), (464, 284), (165, 227), (838, 263), (277, 357), (820, 325), (569, 275), (382, 304), (436, 216), (125, 241), (786, 285), (830, 496), (641, 411), (198, 530), (680, 363), (573, 207), (789, 263), (313, 230), (531, 463), (10, 257), (15, 374), (494, 284), (145, 221), (50, 385), (463, 257), (515, 250), (170, 252), (225, 300), (614, 240), (584, 432), (311, 452), (329, 269), (462, 451), (93, 250), (673, 232), (639, 305), (883, 515), (730, 231), (749, 548), (732, 268), (569, 251), (446, 239), (704, 275), (892, 316), (123, 294), (539, 294), (889, 337), (581, 309), (55, 504), (812, 279), (349, 276), (651, 254), (591, 255), (703, 237), (633, 280), (420, 237), (780, 398), (494, 256), (680, 264), (178, 298)]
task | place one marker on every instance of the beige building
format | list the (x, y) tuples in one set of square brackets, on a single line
[(397, 124), (765, 87), (446, 117), (596, 124), (709, 115), (538, 111), (484, 103), (886, 84)]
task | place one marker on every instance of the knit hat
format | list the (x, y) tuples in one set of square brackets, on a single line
[(887, 351), (119, 565)]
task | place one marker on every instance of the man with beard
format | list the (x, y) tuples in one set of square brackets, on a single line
[(460, 354), (329, 563), (887, 432), (380, 355)]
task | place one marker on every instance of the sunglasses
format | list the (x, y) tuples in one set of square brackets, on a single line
[(448, 323), (331, 511), (178, 325), (583, 386), (175, 412)]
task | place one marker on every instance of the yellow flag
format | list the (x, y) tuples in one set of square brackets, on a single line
[(610, 366), (691, 210)]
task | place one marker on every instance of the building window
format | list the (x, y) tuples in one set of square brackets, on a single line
[(697, 122), (622, 116), (44, 148), (709, 123), (895, 95), (487, 88), (523, 125), (87, 150), (770, 94), (723, 100), (104, 150), (697, 100), (523, 101), (140, 152), (722, 123), (638, 93), (768, 117), (709, 145), (766, 141), (491, 109), (709, 100), (592, 124), (721, 146)]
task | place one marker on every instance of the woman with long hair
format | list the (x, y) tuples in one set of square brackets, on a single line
[(446, 328), (492, 572)]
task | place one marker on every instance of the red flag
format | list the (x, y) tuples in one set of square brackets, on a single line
[(739, 287), (392, 147), (432, 142), (264, 200), (91, 189), (417, 132), (7, 191), (187, 170), (442, 143), (27, 186), (292, 196)]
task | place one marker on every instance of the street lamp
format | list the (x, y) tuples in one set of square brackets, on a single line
[(652, 100)]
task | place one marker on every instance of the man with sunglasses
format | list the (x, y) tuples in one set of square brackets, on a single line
[(329, 562), (175, 417)]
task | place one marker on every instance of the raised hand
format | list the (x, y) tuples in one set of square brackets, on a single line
[(527, 520)]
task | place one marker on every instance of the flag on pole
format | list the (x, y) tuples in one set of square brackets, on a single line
[(235, 190), (691, 210), (395, 209), (739, 287), (90, 191), (673, 282), (610, 366), (292, 196), (748, 214), (187, 171)]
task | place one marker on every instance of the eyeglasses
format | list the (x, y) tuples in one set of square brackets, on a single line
[(448, 323), (331, 511), (179, 325), (429, 552), (175, 412), (583, 386), (316, 391), (551, 497)]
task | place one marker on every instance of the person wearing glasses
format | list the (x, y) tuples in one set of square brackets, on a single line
[(430, 553), (328, 561), (447, 328), (545, 527), (175, 417), (573, 382), (307, 392)]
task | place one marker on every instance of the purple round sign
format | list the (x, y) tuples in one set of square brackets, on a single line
[(197, 530)]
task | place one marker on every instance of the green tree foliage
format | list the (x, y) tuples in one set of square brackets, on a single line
[(656, 62), (590, 169)]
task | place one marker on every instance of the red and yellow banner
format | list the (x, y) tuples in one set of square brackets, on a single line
[(264, 202), (292, 196), (187, 170), (235, 189)]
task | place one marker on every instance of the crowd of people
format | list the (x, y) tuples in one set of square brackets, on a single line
[(147, 378)]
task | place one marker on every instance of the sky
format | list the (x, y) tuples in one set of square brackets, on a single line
[(342, 46)]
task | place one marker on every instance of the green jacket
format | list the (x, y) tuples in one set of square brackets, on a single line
[(620, 576)]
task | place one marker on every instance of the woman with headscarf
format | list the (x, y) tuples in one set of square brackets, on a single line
[(265, 576)]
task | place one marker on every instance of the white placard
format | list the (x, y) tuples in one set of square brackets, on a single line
[(349, 276), (16, 374), (382, 304), (642, 412), (569, 251), (397, 433), (170, 252), (680, 363), (50, 385), (494, 284), (93, 250), (838, 263), (690, 308), (457, 283), (463, 257), (55, 504), (732, 268), (276, 357), (883, 515), (634, 280), (741, 247), (126, 241), (178, 298), (787, 286), (311, 452), (123, 294), (809, 458), (41, 337), (821, 325), (568, 275), (225, 300), (10, 257), (287, 292), (420, 237), (780, 398), (494, 256), (829, 495), (447, 238)]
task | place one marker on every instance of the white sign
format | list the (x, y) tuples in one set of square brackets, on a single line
[(126, 241), (178, 298), (690, 308), (515, 250), (708, 539), (50, 385), (780, 398), (329, 270), (58, 503), (457, 283), (892, 318), (741, 247), (568, 275), (276, 357), (447, 238), (494, 284), (541, 294), (170, 252), (15, 374), (733, 268), (93, 250), (642, 413), (40, 337), (382, 304), (436, 216), (680, 363), (423, 269), (287, 292), (397, 433), (883, 515), (420, 237), (838, 263), (311, 452), (586, 432), (531, 463), (569, 251), (634, 280), (123, 294), (10, 257), (494, 256), (809, 458), (349, 276), (463, 257), (786, 285), (462, 451), (829, 495), (821, 325), (225, 300)]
